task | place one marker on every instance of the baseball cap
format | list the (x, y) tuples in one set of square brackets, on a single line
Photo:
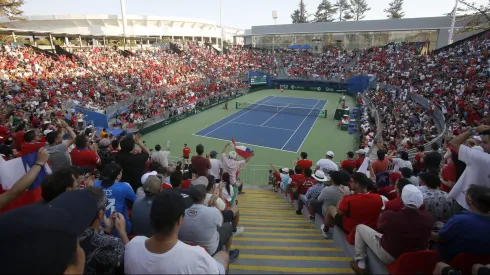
[(330, 154), (285, 170), (153, 185), (412, 196), (197, 192), (45, 234), (361, 151), (47, 131), (213, 153), (202, 180), (167, 207), (104, 142), (146, 175)]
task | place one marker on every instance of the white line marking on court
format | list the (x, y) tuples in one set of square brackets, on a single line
[(275, 114), (310, 128), (306, 105), (262, 126), (271, 97), (252, 145), (318, 101)]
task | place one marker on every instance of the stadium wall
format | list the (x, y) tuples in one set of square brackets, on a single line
[(353, 86), (98, 119)]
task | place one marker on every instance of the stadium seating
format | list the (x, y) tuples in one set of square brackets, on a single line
[(464, 262)]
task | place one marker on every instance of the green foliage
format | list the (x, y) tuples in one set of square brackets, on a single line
[(395, 9), (11, 8), (300, 15), (325, 12), (43, 42), (476, 17), (358, 9), (343, 8)]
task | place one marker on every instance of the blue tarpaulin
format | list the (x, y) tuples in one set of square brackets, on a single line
[(306, 47), (294, 46)]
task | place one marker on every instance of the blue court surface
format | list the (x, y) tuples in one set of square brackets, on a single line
[(281, 123)]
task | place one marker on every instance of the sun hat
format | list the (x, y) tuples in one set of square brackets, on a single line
[(412, 197), (232, 154), (320, 176), (330, 154)]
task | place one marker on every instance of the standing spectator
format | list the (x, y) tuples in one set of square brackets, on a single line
[(304, 162), (402, 161), (468, 231), (477, 163), (231, 165), (103, 253), (161, 156), (200, 163), (18, 136), (432, 160), (361, 155), (418, 162), (326, 165), (84, 154), (132, 163), (186, 152), (57, 148), (140, 215), (436, 201), (58, 183), (216, 169), (407, 174), (404, 231), (381, 164), (452, 172), (118, 193), (30, 144), (349, 162), (104, 153)]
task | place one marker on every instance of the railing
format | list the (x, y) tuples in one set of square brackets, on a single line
[(379, 127)]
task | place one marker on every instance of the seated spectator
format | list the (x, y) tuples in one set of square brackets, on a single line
[(326, 164), (435, 200), (467, 232), (140, 214), (360, 208), (361, 155), (297, 180), (103, 253), (306, 184), (312, 193), (216, 169), (58, 183), (381, 164), (200, 163), (331, 194), (402, 161), (432, 160), (304, 162), (349, 162), (161, 156), (396, 204), (445, 269), (163, 253), (285, 178), (57, 148), (176, 182), (47, 245), (84, 154), (119, 194), (133, 163), (407, 174), (404, 231), (204, 226), (227, 192)]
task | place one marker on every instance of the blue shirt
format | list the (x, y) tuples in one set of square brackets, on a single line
[(117, 194), (465, 233)]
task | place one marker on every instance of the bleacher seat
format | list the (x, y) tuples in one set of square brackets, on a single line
[(420, 262), (464, 262)]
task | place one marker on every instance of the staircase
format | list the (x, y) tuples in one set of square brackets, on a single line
[(277, 241), (44, 52)]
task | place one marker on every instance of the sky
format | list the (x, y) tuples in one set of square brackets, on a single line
[(235, 13)]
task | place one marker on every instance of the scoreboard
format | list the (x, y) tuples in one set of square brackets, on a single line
[(258, 79)]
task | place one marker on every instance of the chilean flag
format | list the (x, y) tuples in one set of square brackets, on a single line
[(242, 151), (12, 170)]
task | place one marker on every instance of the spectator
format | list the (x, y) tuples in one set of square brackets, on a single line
[(58, 183), (227, 192), (204, 225), (30, 145), (103, 253), (432, 160), (435, 200), (326, 164), (200, 163), (401, 162), (476, 162), (349, 162), (407, 174), (467, 232), (57, 148), (84, 154), (119, 194), (452, 172), (161, 156), (304, 162), (331, 194), (18, 136), (361, 155), (445, 269), (313, 192), (49, 245), (176, 182), (114, 146), (105, 155), (216, 169), (419, 160), (163, 252), (396, 204), (360, 208), (132, 163), (140, 214), (381, 164), (186, 152), (232, 166), (403, 231)]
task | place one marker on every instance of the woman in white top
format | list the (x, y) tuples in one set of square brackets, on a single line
[(227, 192), (401, 162)]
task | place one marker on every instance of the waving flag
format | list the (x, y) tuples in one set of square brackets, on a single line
[(241, 150)]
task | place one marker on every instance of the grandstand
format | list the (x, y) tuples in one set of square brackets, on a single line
[(384, 98)]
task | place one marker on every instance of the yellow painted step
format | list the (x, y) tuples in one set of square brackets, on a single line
[(293, 269), (258, 219), (288, 248), (281, 234), (284, 225), (253, 228), (276, 240), (295, 258)]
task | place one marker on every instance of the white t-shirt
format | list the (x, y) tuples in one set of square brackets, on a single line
[(219, 202), (161, 157), (400, 163), (227, 196), (215, 167), (476, 172), (327, 166), (181, 259)]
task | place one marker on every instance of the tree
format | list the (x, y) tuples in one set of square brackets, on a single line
[(300, 15), (343, 7), (475, 17), (358, 8), (325, 12), (11, 8), (395, 9)]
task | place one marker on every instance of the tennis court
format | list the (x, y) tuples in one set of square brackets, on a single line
[(276, 122)]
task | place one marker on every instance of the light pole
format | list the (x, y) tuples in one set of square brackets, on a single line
[(221, 24), (274, 16), (123, 11), (453, 21)]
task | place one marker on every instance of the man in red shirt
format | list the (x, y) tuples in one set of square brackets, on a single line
[(304, 163), (296, 180), (200, 163), (349, 162), (362, 207), (396, 203), (84, 155), (186, 153), (361, 154), (30, 145), (19, 136)]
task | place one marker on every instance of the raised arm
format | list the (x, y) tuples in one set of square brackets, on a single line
[(225, 148), (69, 130), (249, 157), (274, 168), (457, 141), (141, 144)]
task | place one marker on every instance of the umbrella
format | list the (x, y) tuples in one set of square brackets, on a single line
[(294, 46), (306, 47)]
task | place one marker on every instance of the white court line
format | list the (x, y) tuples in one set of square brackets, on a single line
[(271, 97), (252, 145), (318, 101), (326, 101), (306, 105), (262, 126), (274, 114)]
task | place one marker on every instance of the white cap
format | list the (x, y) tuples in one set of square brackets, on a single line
[(47, 131), (412, 196), (320, 176), (146, 175), (330, 154), (202, 180), (361, 151), (232, 154), (285, 170)]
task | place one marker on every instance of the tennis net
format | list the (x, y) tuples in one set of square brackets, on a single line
[(282, 109)]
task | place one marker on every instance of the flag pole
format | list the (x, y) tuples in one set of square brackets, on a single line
[(453, 21)]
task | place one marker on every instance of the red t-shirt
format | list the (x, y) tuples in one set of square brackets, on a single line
[(348, 163), (380, 166), (360, 209), (186, 184), (388, 191), (83, 157), (186, 152), (394, 205), (448, 174), (359, 162), (420, 166), (4, 132), (27, 148), (304, 164), (18, 139), (297, 179), (201, 164)]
